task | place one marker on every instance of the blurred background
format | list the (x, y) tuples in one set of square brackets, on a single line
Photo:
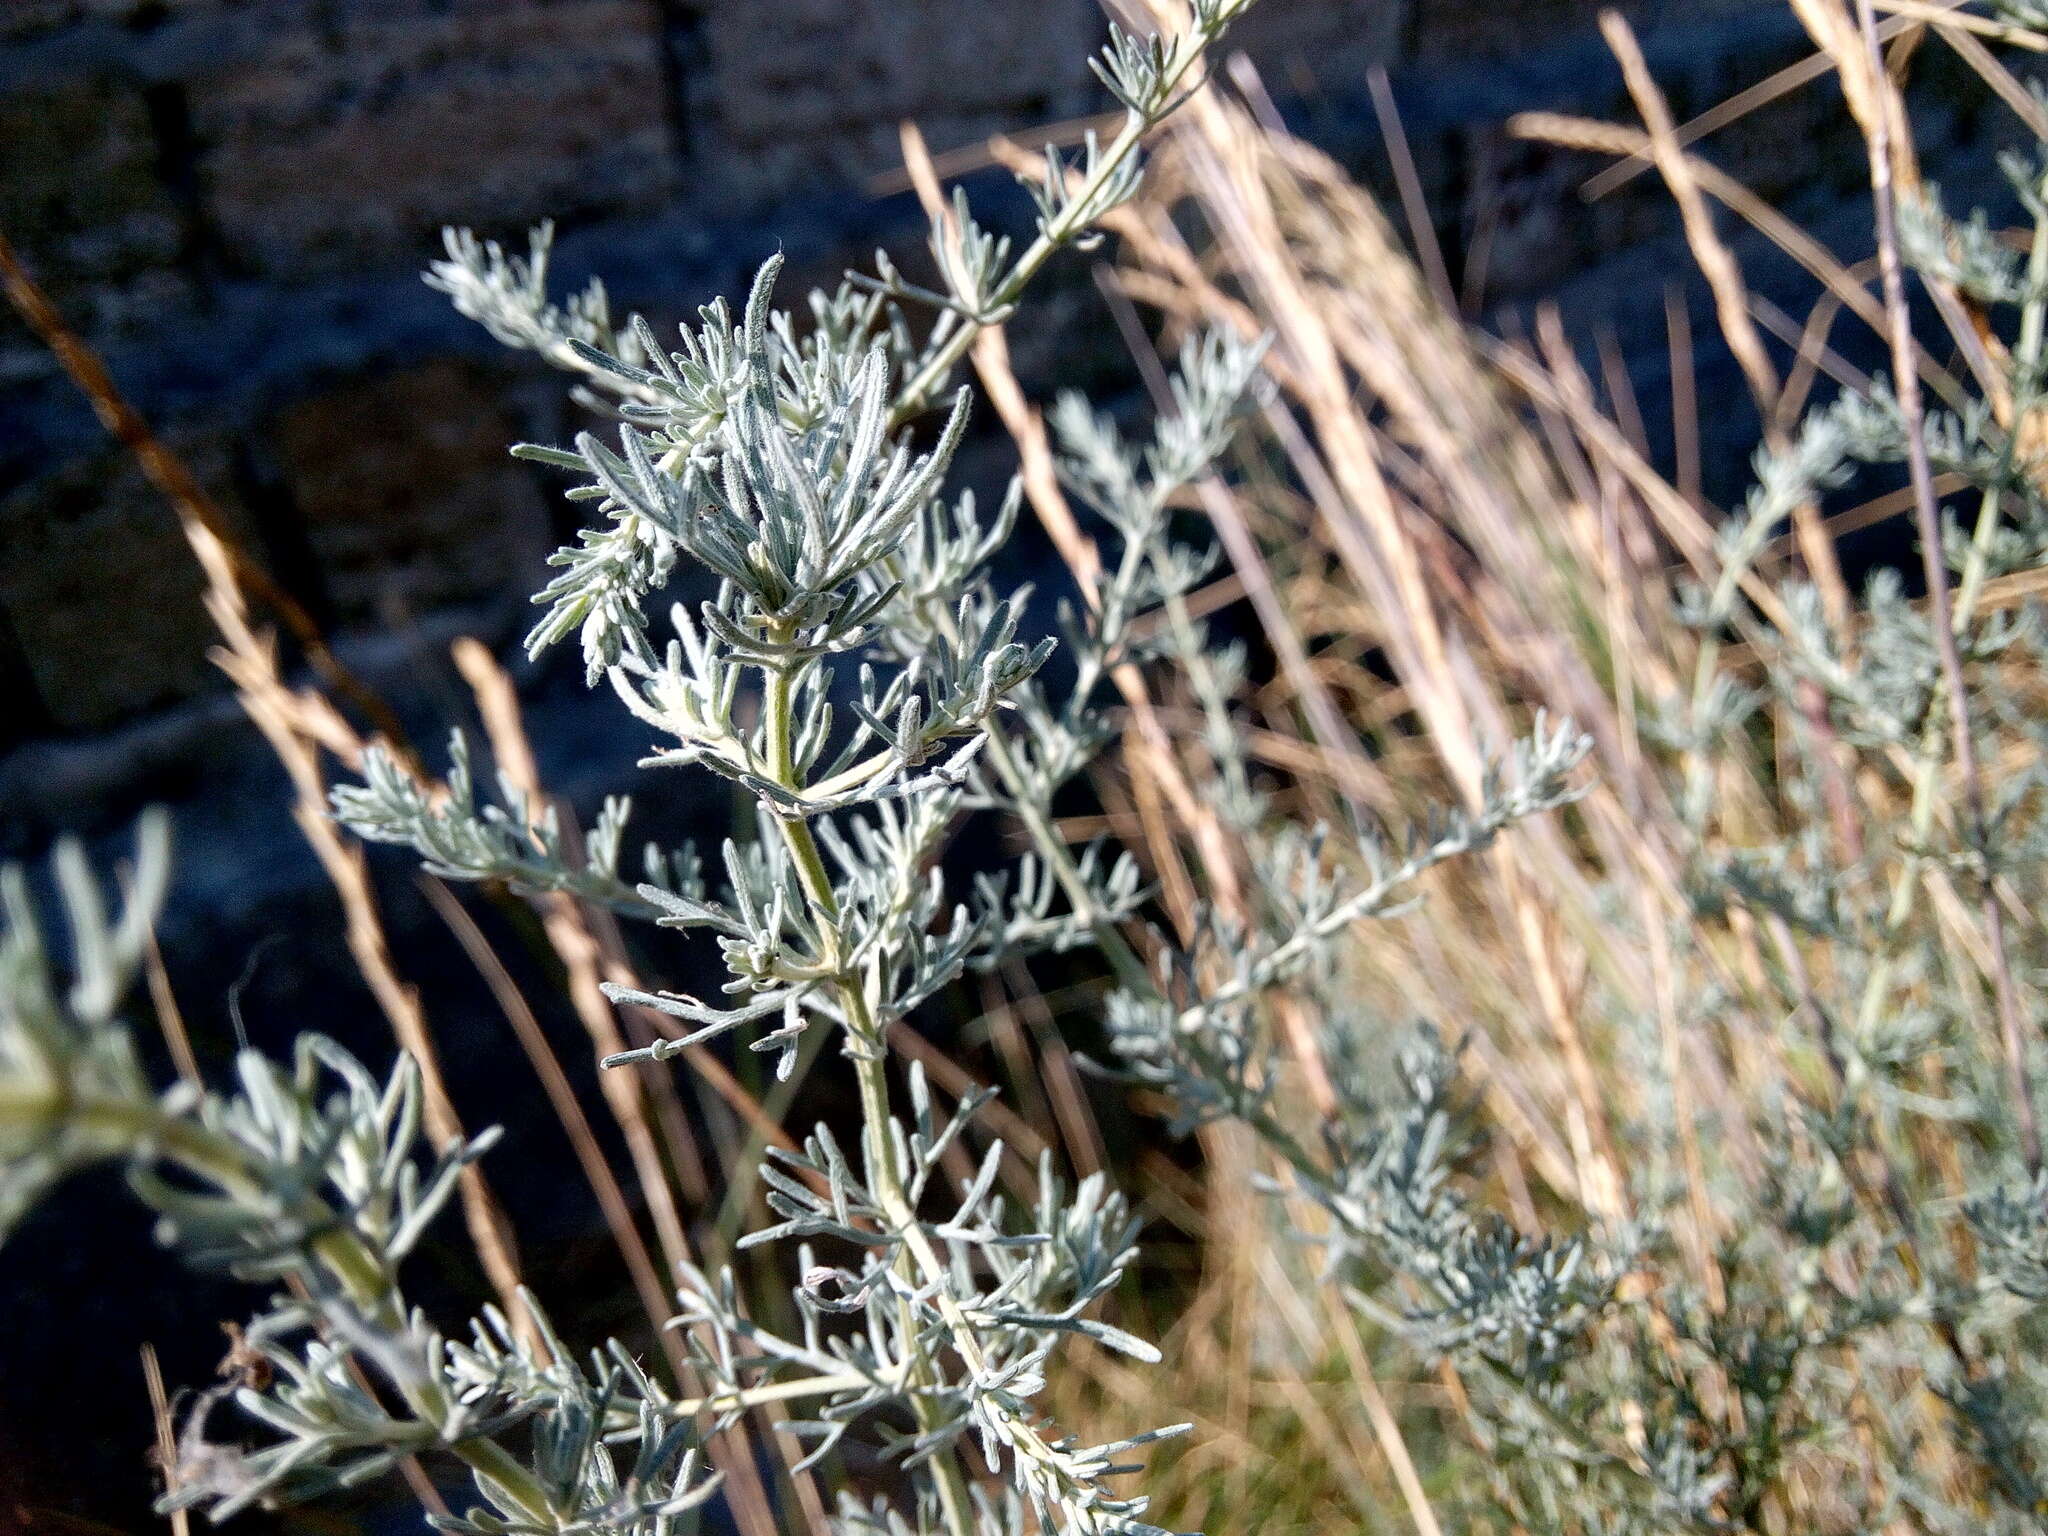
[(232, 202)]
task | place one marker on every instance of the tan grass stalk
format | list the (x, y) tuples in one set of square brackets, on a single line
[(1367, 530), (591, 953), (604, 1185), (170, 1019), (1385, 1427), (1614, 139), (1413, 205), (250, 661), (569, 933), (1724, 279), (2023, 103), (166, 1449), (1733, 109), (1950, 16)]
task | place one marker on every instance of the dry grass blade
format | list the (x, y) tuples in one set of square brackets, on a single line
[(169, 474), (1368, 528), (166, 1450), (250, 661), (1951, 15), (1724, 279), (1839, 280), (1413, 204), (2024, 104), (170, 1019), (1724, 113), (604, 1185), (569, 933)]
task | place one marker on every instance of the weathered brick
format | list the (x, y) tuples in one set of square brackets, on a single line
[(1472, 31), (1326, 46), (80, 192), (21, 19), (406, 495), (101, 590), (351, 135), (818, 86)]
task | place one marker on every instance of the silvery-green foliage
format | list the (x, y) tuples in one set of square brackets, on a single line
[(1896, 1229), (1966, 254), (508, 295), (1815, 461), (1469, 1283), (62, 1042), (510, 841), (1312, 900), (2030, 14), (328, 1126), (1001, 1515), (1380, 1174), (858, 672), (1149, 74), (1194, 1030), (1461, 1283), (1881, 1223), (1032, 915), (1077, 193), (1021, 1286), (1146, 574), (2013, 1226), (833, 541), (889, 930), (311, 1176)]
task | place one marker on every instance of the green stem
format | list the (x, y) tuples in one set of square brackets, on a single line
[(868, 1054), (773, 1392), (918, 1260), (917, 393), (871, 1074)]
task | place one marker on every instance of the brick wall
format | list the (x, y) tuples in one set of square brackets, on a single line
[(233, 201), (233, 198)]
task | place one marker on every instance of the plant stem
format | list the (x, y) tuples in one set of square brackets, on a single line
[(917, 392), (867, 1050), (1073, 220), (918, 1260), (1927, 758), (772, 1392)]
